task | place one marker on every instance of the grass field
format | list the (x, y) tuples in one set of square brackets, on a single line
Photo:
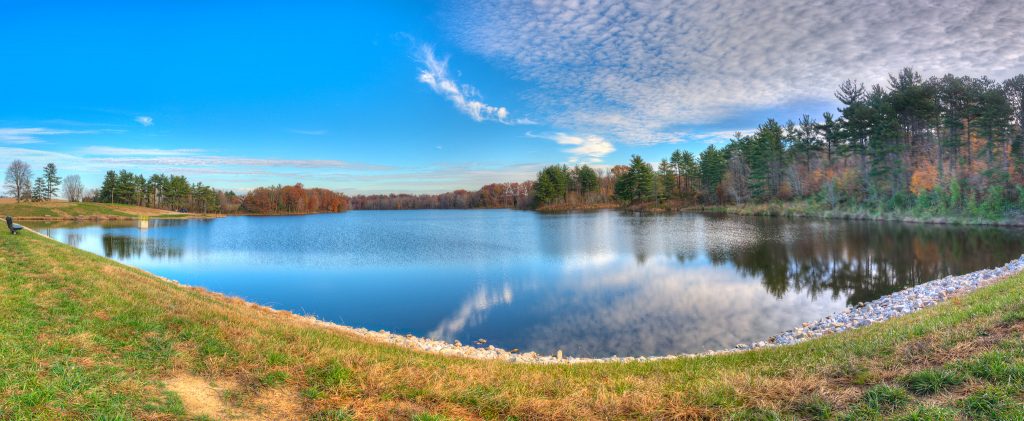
[(82, 337), (59, 210)]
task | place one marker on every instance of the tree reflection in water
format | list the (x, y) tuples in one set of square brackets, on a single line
[(126, 247), (864, 260)]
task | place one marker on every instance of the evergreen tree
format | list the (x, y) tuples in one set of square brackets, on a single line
[(712, 169), (106, 193), (764, 154), (587, 179), (638, 183), (52, 181), (39, 190), (552, 184), (666, 180)]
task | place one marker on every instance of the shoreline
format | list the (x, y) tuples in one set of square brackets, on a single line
[(884, 308), (789, 212), (115, 217)]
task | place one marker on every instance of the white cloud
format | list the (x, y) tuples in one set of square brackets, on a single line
[(214, 161), (115, 151), (719, 137), (144, 120), (464, 97), (586, 148), (28, 135), (640, 70)]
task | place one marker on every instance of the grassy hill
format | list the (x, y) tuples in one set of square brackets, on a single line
[(80, 210), (85, 337)]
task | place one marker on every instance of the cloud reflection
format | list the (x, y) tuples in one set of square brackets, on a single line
[(472, 312)]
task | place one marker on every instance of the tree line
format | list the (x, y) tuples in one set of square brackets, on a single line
[(950, 145), (497, 195), (18, 183), (161, 191), (293, 199)]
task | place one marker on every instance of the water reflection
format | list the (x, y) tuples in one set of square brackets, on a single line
[(591, 284), (126, 247)]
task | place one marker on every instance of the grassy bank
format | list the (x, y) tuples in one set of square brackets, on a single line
[(85, 337), (807, 209), (83, 210)]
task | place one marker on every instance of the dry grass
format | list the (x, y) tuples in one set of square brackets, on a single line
[(63, 210), (89, 337)]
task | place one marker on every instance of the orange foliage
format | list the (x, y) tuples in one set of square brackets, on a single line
[(293, 199), (925, 178)]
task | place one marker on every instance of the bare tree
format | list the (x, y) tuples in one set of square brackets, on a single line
[(19, 180), (73, 188)]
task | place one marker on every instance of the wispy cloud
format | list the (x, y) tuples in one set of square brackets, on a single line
[(116, 151), (718, 137), (585, 148), (28, 135), (435, 74), (144, 120), (214, 161), (638, 71)]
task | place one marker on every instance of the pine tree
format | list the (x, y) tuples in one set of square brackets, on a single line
[(587, 179), (39, 190), (106, 193), (712, 169), (552, 184), (52, 181), (666, 180), (637, 184)]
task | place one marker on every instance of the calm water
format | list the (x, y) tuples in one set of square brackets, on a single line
[(591, 284)]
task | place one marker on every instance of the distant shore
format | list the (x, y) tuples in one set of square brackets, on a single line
[(805, 211)]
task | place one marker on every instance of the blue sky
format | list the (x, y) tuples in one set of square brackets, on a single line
[(369, 97)]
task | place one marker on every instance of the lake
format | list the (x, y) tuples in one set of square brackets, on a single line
[(591, 284)]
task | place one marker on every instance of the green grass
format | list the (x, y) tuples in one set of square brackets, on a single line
[(992, 403), (931, 381), (82, 337), (884, 398), (929, 413)]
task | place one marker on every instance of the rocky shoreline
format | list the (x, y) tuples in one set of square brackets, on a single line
[(885, 308)]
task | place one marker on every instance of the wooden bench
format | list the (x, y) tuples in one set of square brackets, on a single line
[(12, 226)]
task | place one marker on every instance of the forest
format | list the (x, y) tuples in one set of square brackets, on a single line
[(497, 195), (160, 191), (951, 145), (293, 199), (175, 192)]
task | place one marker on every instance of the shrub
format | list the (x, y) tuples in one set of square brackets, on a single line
[(994, 205)]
